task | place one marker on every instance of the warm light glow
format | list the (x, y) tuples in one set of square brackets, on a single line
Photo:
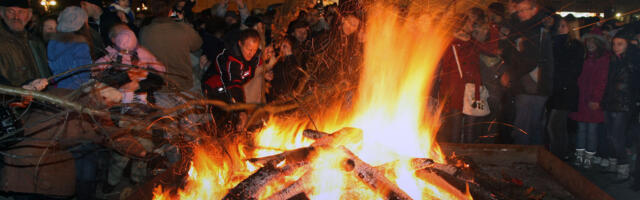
[(618, 14), (53, 3), (44, 3), (577, 14), (401, 55)]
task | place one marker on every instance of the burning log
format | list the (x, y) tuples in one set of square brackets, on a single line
[(371, 177), (313, 134), (295, 189), (323, 140), (292, 156), (476, 190), (253, 186)]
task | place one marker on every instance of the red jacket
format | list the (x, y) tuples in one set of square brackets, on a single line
[(592, 83), (452, 79)]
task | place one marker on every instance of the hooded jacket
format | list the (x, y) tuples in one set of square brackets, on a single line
[(230, 73)]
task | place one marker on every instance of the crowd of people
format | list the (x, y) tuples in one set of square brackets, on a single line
[(516, 63), (567, 83)]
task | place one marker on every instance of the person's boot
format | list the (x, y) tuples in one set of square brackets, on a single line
[(623, 172), (604, 163), (613, 166), (596, 160), (588, 159), (579, 157)]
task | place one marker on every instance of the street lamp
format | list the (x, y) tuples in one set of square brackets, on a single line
[(48, 3)]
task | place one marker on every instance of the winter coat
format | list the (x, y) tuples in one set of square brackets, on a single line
[(22, 57), (172, 42), (66, 55), (621, 93), (230, 72), (55, 176), (592, 82), (568, 57), (534, 59), (452, 84)]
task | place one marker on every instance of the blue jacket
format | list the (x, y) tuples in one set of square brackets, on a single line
[(63, 56)]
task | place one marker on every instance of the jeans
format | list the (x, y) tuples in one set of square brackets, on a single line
[(617, 124), (587, 137), (86, 158), (529, 118), (557, 127)]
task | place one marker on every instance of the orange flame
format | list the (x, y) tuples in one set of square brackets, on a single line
[(391, 107)]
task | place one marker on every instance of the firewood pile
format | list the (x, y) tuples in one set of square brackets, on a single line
[(460, 174)]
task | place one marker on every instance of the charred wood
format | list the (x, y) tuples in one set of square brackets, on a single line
[(253, 186), (371, 177), (302, 185)]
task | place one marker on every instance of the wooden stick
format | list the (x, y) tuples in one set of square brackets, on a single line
[(291, 156), (476, 190), (372, 177), (313, 134), (302, 185), (253, 186)]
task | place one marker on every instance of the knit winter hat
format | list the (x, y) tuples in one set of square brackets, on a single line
[(72, 19), (126, 40)]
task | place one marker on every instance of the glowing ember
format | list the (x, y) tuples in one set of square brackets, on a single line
[(401, 55)]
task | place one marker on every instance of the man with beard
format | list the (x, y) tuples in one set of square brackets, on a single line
[(22, 55)]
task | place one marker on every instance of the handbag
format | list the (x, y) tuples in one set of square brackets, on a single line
[(474, 102)]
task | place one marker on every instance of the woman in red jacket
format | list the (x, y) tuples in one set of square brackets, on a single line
[(459, 66)]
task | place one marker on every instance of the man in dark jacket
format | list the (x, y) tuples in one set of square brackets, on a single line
[(22, 55), (233, 68), (530, 61)]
